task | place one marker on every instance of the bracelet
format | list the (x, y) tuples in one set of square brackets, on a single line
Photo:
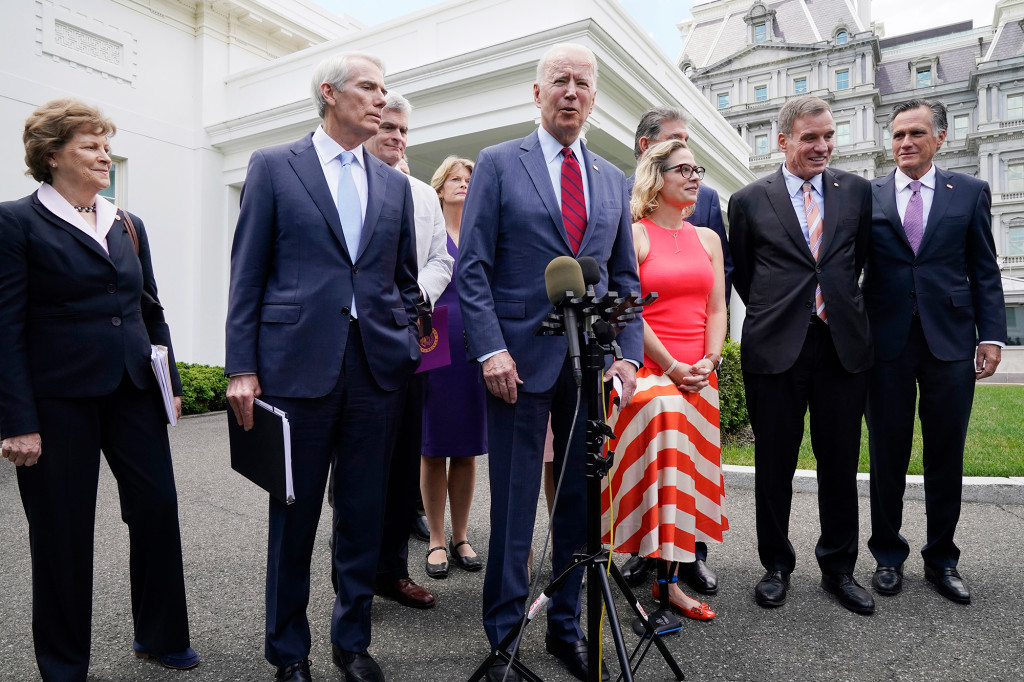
[(711, 356), (668, 370)]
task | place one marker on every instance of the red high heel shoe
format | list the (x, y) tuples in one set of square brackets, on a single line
[(700, 612)]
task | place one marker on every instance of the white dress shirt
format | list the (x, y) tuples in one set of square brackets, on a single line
[(795, 187), (62, 208), (552, 150), (432, 257), (903, 194)]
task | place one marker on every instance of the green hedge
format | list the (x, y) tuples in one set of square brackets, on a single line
[(731, 396), (202, 388)]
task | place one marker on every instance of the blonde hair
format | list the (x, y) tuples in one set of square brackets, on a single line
[(650, 177), (50, 127), (447, 167)]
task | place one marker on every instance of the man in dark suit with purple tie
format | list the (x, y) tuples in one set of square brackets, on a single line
[(322, 324), (933, 290)]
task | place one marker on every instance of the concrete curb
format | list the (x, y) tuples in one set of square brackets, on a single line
[(989, 489)]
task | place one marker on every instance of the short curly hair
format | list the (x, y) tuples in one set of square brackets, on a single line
[(447, 167), (649, 179), (50, 127)]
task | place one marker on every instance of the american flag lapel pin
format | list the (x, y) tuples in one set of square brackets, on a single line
[(949, 186)]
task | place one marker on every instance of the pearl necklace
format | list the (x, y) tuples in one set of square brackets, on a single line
[(85, 209)]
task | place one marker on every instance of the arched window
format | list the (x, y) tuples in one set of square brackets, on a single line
[(842, 37)]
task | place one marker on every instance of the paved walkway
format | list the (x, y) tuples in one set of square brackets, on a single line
[(915, 636)]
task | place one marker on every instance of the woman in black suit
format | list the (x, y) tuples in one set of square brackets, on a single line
[(79, 310)]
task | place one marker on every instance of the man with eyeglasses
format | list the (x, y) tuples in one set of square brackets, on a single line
[(799, 240), (658, 125)]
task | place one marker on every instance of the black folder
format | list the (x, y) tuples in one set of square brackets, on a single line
[(264, 453)]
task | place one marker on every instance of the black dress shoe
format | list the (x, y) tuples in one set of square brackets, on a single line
[(407, 593), (420, 529), (466, 563), (851, 595), (636, 569), (296, 672), (573, 655), (496, 673), (888, 579), (697, 575), (359, 666), (771, 591), (949, 583)]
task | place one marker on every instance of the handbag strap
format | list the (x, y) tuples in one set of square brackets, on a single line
[(132, 234)]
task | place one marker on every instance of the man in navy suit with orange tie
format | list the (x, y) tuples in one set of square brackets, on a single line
[(531, 200), (322, 323), (932, 290)]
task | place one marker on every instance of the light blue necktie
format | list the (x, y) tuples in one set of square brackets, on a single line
[(350, 210)]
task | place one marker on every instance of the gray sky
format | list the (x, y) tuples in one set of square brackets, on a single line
[(659, 17)]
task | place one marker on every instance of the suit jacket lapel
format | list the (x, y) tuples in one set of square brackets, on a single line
[(82, 237), (306, 165), (595, 182), (830, 189), (376, 183), (884, 196), (536, 167), (940, 204), (778, 195)]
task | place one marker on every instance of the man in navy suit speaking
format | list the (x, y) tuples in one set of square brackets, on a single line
[(932, 290), (530, 201), (322, 324)]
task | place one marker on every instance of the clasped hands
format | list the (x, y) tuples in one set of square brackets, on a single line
[(692, 378)]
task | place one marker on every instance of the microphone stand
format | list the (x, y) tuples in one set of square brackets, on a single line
[(599, 341)]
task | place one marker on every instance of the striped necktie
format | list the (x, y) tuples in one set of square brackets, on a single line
[(814, 226), (574, 207)]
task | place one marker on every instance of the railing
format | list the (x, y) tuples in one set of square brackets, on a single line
[(1012, 124), (1010, 261), (1008, 196)]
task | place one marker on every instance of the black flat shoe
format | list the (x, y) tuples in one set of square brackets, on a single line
[(466, 563), (888, 580), (359, 666), (437, 571), (296, 672), (771, 591), (697, 575), (851, 595), (948, 583)]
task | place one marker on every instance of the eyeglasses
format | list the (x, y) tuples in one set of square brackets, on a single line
[(686, 170)]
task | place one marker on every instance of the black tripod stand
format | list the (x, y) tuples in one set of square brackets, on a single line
[(601, 315)]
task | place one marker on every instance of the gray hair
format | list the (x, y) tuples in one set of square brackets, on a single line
[(808, 105), (334, 71), (547, 58), (651, 122), (395, 102), (937, 108)]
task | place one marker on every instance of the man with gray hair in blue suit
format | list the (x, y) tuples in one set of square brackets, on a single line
[(532, 200)]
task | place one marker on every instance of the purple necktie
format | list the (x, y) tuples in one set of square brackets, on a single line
[(913, 219)]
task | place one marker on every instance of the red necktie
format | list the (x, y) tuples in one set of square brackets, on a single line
[(574, 207)]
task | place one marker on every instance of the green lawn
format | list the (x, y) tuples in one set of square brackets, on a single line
[(995, 440)]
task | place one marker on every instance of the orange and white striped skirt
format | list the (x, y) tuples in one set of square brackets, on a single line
[(667, 486)]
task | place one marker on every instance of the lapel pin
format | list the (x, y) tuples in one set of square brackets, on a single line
[(949, 186), (117, 217), (836, 184), (595, 166)]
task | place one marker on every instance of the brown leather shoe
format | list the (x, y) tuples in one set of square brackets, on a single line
[(407, 593)]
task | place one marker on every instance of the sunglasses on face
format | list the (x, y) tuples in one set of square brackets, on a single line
[(686, 170)]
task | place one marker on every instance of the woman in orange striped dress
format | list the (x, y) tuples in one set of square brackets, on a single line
[(667, 480)]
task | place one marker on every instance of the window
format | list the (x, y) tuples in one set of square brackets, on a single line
[(886, 137), (843, 79), (113, 191), (961, 126), (1015, 177), (723, 100), (1015, 107), (760, 32), (842, 38), (843, 132), (761, 145), (1016, 245), (924, 77), (1014, 325), (800, 86), (761, 93)]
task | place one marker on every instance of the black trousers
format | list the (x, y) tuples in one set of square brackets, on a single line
[(403, 486), (59, 496), (777, 404), (947, 394)]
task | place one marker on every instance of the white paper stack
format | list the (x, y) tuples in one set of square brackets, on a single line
[(162, 369)]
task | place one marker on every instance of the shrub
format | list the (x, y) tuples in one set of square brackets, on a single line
[(202, 388), (731, 396)]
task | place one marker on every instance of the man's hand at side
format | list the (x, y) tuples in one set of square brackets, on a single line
[(242, 390), (501, 376), (626, 372)]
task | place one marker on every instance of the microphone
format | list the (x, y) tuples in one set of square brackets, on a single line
[(563, 279), (591, 272)]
